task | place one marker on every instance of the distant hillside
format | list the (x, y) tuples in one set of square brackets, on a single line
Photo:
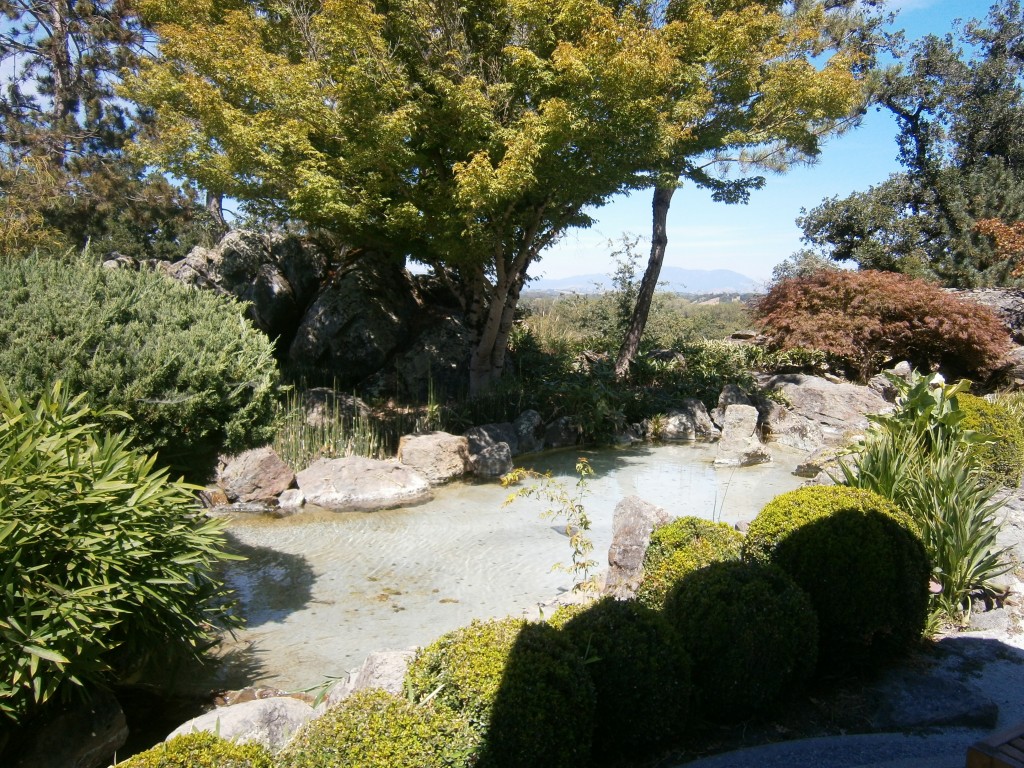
[(673, 279)]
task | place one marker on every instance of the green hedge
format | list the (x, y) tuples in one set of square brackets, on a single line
[(522, 686), (751, 632), (1003, 459), (200, 750), (375, 729), (192, 374), (861, 561), (106, 564)]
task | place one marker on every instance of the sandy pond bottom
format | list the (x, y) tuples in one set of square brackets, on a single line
[(321, 590)]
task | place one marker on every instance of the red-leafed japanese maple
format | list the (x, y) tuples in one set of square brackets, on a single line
[(864, 319)]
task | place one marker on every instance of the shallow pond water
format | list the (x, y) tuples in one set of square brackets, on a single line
[(320, 590)]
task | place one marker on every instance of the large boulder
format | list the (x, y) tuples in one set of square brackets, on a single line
[(257, 475), (381, 669), (563, 432), (359, 484), (819, 412), (277, 275), (268, 722), (357, 321), (731, 395), (688, 421), (530, 431), (434, 354), (632, 523), (488, 435), (82, 735), (740, 445), (438, 456), (492, 461)]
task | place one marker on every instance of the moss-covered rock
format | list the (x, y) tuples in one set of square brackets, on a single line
[(375, 729), (640, 670), (679, 548), (751, 632), (521, 685), (1003, 459), (200, 750), (860, 560)]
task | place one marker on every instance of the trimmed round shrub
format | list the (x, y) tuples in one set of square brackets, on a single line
[(1003, 460), (640, 670), (862, 319), (375, 729), (200, 750), (107, 565), (751, 632), (190, 376), (861, 562), (679, 548), (521, 685)]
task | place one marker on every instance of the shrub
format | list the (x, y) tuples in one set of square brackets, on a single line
[(521, 685), (200, 750), (680, 547), (640, 671), (107, 564), (751, 632), (375, 729), (862, 319), (1001, 459), (188, 375), (861, 561)]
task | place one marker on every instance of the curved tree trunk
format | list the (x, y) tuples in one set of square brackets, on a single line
[(659, 240)]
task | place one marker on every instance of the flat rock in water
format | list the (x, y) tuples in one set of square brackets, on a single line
[(438, 456), (363, 485), (255, 476)]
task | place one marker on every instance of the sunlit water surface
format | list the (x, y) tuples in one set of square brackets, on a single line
[(320, 590)]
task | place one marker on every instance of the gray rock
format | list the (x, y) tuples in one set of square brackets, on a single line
[(563, 432), (489, 435), (820, 412), (882, 384), (493, 461), (360, 484), (84, 735), (688, 422), (530, 431), (908, 700), (632, 523), (740, 445), (823, 460), (381, 669), (255, 475), (438, 355), (268, 722), (731, 395), (438, 456), (291, 500)]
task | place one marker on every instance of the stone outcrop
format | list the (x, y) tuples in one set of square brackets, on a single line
[(381, 669), (563, 432), (489, 435), (438, 456), (530, 431), (493, 461), (632, 523), (740, 444), (730, 395), (819, 412), (258, 475), (364, 485), (688, 421), (268, 722)]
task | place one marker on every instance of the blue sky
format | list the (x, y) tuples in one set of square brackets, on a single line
[(752, 239)]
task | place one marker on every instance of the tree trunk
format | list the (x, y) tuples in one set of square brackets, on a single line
[(659, 241), (65, 98), (215, 207)]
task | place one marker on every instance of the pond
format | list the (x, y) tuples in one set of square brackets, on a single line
[(320, 590)]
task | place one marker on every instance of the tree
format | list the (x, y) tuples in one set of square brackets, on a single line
[(765, 102), (960, 112), (465, 136), (63, 173)]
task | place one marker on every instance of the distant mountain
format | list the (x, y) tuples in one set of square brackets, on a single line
[(673, 279)]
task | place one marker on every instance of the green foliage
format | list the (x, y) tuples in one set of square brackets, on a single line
[(861, 561), (567, 505), (201, 750), (925, 458), (336, 431), (751, 631), (521, 685), (187, 374), (863, 319), (680, 547), (1001, 457), (640, 671), (108, 566), (375, 729)]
